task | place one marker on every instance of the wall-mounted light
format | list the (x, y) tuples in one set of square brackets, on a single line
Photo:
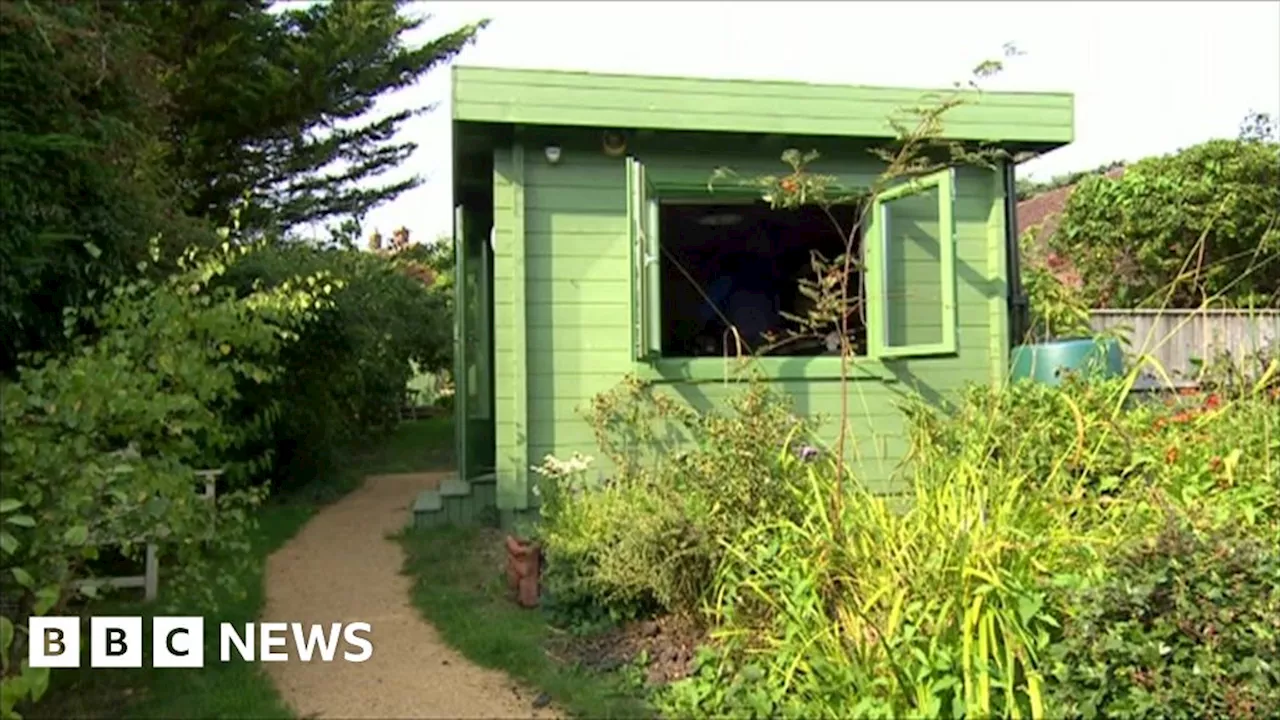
[(553, 154), (613, 143)]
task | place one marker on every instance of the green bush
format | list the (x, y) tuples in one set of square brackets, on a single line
[(728, 465), (246, 357), (1185, 625), (686, 484), (101, 445), (1181, 227), (348, 373), (1057, 308), (620, 552)]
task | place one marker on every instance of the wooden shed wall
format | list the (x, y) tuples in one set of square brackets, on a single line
[(563, 335)]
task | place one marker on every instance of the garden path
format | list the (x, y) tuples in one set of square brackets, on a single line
[(343, 567)]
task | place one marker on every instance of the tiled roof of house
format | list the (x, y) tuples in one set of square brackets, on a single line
[(1042, 208)]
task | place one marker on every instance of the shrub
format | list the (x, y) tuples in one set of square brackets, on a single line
[(1185, 625), (1057, 307), (686, 484), (726, 464), (945, 605), (1183, 227), (622, 551), (348, 373), (100, 445)]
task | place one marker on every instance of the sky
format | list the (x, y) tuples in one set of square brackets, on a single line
[(1148, 77)]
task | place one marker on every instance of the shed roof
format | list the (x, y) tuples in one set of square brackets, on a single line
[(1033, 121)]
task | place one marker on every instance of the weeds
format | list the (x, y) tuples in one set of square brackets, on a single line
[(949, 607)]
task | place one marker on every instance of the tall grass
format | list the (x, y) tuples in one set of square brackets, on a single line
[(943, 601)]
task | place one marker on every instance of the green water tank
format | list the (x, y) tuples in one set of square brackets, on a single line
[(1048, 361)]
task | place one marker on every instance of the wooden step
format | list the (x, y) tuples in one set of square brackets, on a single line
[(428, 501), (457, 502), (455, 487)]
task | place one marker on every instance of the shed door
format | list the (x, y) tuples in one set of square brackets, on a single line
[(473, 346), (646, 300), (462, 361), (911, 269)]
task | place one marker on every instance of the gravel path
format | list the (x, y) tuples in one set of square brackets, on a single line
[(343, 568)]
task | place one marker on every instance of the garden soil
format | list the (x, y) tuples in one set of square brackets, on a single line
[(342, 567)]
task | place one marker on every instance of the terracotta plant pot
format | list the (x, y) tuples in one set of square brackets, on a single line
[(524, 565)]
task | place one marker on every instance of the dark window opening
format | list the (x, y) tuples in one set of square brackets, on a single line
[(749, 259)]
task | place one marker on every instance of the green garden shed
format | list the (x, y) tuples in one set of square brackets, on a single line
[(579, 198)]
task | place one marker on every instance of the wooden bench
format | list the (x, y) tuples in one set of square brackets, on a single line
[(149, 580)]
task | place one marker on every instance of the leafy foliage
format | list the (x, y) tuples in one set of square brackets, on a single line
[(724, 463), (1181, 229), (951, 605), (1186, 625), (260, 359), (101, 445), (128, 120), (86, 182), (619, 552), (128, 365), (648, 539), (1058, 308), (303, 139), (346, 375), (433, 260)]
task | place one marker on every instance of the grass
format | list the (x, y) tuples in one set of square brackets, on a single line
[(459, 588), (416, 446), (237, 689)]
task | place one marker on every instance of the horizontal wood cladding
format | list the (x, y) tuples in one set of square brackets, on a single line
[(542, 97), (568, 225)]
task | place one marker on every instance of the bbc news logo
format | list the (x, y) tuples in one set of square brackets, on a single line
[(178, 642)]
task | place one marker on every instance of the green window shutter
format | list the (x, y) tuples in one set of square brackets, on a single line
[(646, 307), (911, 269)]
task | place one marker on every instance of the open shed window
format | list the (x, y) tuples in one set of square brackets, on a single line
[(911, 269), (703, 262)]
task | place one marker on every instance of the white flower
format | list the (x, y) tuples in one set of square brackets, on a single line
[(553, 467)]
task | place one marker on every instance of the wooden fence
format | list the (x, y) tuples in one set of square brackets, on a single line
[(1177, 339)]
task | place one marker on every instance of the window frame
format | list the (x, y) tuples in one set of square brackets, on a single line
[(645, 196), (875, 247)]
